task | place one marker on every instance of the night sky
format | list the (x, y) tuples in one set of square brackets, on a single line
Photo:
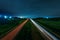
[(30, 8)]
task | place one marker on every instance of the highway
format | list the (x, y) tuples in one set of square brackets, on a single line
[(30, 30), (44, 32)]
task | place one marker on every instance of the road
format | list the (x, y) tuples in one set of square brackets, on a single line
[(44, 32), (13, 33), (46, 35)]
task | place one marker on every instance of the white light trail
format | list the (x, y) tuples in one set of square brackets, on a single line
[(41, 29)]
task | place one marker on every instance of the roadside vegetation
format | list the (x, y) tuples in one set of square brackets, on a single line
[(7, 25), (51, 24)]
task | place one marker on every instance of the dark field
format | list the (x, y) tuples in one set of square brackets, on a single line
[(7, 25)]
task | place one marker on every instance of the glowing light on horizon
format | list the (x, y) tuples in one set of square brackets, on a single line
[(47, 17), (21, 17), (0, 15), (10, 17), (5, 17)]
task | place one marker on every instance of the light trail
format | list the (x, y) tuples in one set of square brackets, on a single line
[(12, 34), (44, 32)]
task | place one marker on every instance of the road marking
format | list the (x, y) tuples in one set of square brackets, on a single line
[(44, 32), (13, 33)]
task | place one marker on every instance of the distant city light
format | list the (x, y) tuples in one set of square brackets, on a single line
[(10, 17), (0, 15), (21, 17), (5, 17), (47, 17)]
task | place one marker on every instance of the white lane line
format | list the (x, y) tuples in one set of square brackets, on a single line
[(46, 33)]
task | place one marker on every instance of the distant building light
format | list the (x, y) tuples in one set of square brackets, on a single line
[(47, 17), (10, 17), (5, 17), (21, 17), (0, 15)]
